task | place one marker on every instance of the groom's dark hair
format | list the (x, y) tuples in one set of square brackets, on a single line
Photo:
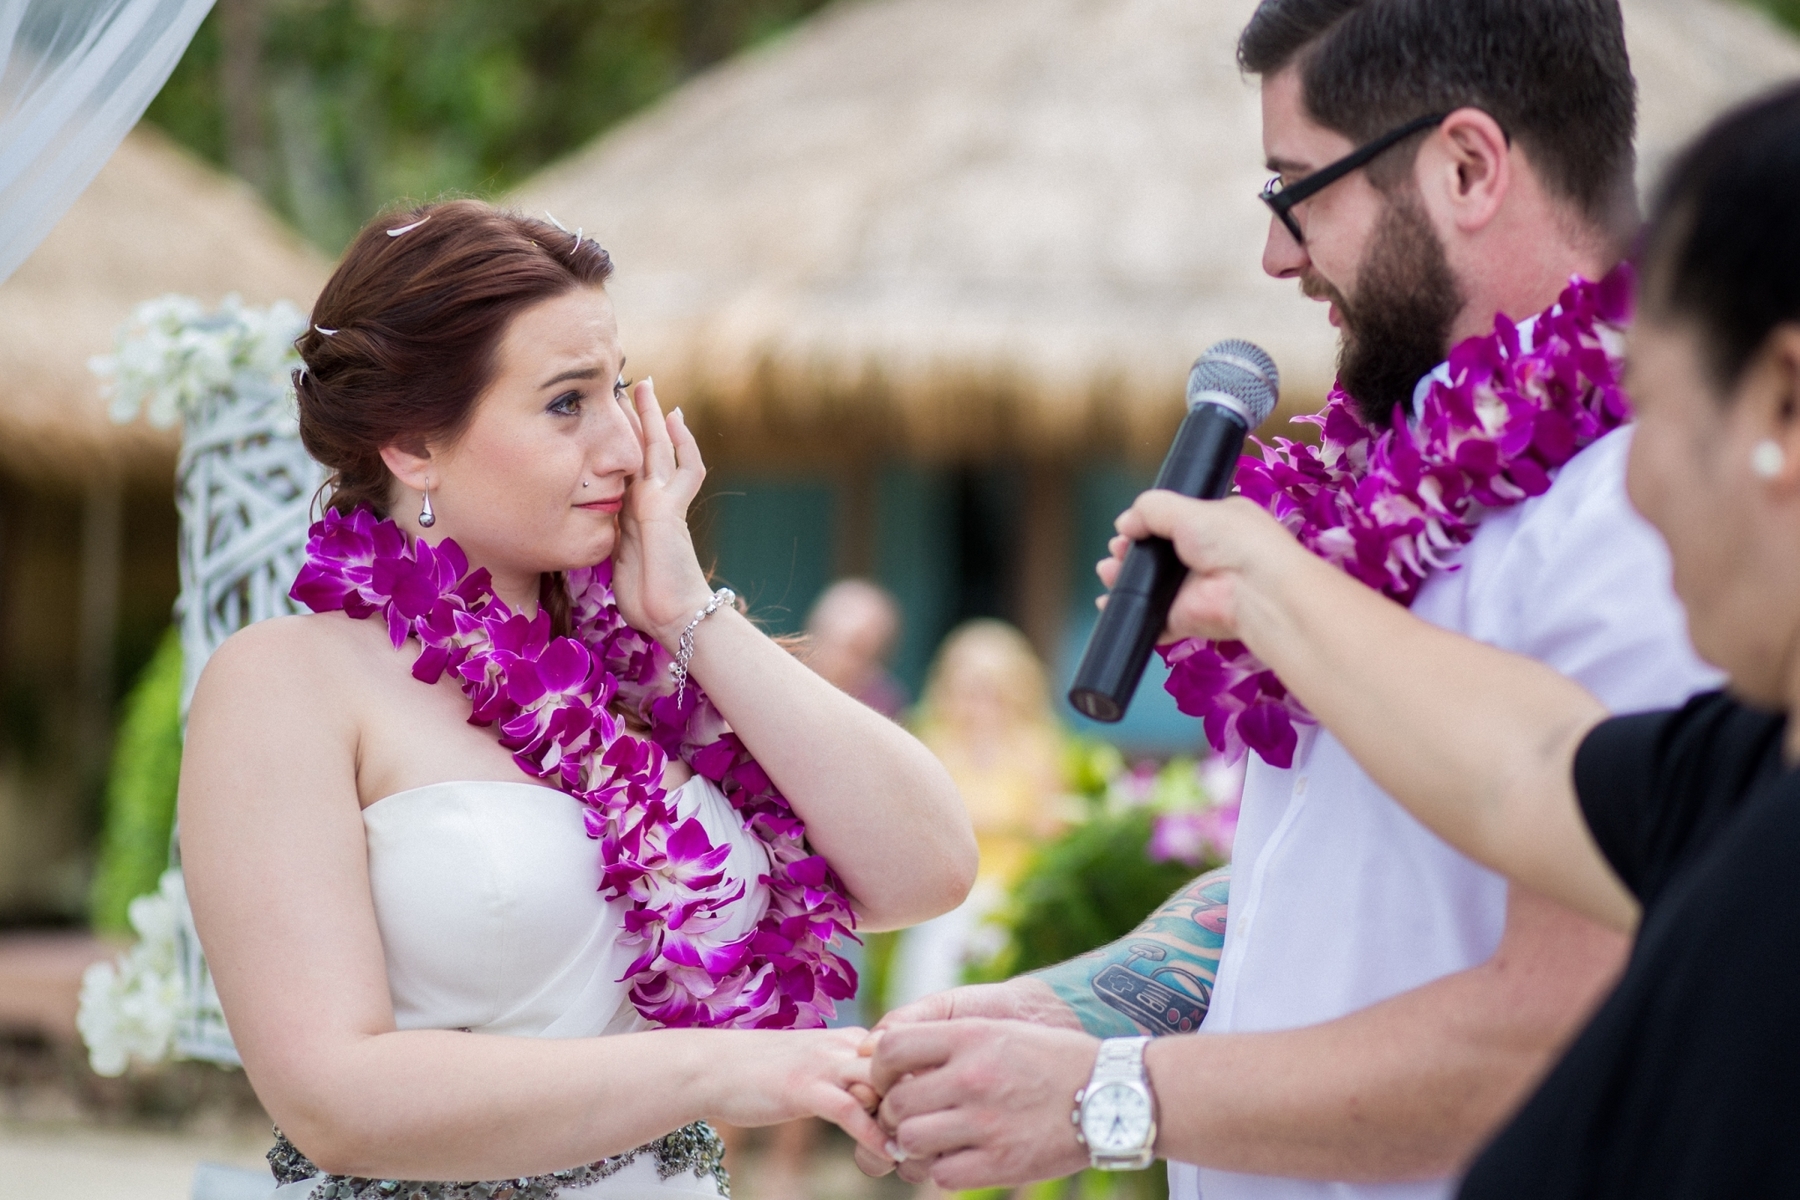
[(1553, 73)]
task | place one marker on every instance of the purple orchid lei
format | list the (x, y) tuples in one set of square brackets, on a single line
[(1388, 508), (552, 701)]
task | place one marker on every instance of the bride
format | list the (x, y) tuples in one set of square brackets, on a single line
[(497, 857)]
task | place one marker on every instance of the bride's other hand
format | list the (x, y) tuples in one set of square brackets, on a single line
[(775, 1076), (656, 573)]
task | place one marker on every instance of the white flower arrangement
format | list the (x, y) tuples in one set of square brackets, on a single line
[(129, 1008), (172, 356)]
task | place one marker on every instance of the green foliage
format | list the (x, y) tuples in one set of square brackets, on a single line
[(363, 103), (1151, 1184), (1089, 887), (140, 791), (1785, 11), (1090, 766), (877, 972), (1096, 882)]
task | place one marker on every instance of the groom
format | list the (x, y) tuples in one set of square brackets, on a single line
[(1381, 1003)]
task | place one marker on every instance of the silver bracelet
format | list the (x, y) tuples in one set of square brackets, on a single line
[(684, 648)]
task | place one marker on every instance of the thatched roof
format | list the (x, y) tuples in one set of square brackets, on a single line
[(967, 220), (154, 221)]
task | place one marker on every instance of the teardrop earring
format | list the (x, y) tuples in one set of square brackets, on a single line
[(427, 518), (1767, 460)]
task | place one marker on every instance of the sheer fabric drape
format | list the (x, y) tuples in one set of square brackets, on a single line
[(75, 76)]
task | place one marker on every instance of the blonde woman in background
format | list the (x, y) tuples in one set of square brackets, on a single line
[(986, 714)]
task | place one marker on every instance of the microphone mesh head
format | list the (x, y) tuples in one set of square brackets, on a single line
[(1240, 370)]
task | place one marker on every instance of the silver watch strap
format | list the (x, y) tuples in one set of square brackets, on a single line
[(1120, 1058)]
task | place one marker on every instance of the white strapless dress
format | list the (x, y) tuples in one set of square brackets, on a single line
[(487, 898)]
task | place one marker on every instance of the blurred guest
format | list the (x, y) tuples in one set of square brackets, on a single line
[(851, 633), (986, 714)]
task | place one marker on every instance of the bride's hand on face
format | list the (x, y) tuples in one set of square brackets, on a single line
[(656, 573), (775, 1076)]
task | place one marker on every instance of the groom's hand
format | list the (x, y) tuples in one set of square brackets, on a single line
[(1023, 999), (982, 1103)]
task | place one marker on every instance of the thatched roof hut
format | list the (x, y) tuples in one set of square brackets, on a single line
[(87, 514), (154, 221), (977, 221), (1693, 60)]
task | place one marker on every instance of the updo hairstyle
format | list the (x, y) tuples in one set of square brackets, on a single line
[(403, 339), (1722, 249)]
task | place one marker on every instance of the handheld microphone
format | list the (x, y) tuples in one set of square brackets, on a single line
[(1231, 391)]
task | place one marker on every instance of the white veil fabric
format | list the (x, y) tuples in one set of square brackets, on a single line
[(75, 76)]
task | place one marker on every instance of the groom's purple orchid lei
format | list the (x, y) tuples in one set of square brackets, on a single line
[(552, 701), (1390, 508)]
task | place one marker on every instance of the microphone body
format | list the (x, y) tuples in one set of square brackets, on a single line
[(1201, 463)]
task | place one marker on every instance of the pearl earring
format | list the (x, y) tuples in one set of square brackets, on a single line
[(1767, 460), (427, 518)]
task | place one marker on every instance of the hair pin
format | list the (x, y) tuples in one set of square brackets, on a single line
[(551, 217), (324, 332), (409, 228)]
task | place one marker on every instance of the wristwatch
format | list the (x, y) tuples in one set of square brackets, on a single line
[(1115, 1114)]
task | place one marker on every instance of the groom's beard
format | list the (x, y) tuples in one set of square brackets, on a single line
[(1398, 327)]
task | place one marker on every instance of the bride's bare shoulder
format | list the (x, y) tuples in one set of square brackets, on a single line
[(275, 655)]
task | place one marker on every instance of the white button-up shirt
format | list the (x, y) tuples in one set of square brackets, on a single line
[(1339, 898)]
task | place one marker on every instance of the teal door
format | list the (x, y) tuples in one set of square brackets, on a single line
[(1152, 723), (772, 540)]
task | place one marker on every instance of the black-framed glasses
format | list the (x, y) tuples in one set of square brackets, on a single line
[(1281, 200)]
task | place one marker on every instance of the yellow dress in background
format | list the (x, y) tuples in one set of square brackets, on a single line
[(1014, 801)]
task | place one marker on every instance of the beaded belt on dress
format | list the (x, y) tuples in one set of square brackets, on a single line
[(695, 1148)]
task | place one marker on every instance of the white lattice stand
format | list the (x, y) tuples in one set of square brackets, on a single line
[(244, 490)]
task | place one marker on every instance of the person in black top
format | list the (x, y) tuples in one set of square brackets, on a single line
[(1682, 826)]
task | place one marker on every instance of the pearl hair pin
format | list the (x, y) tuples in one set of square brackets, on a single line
[(409, 228), (1767, 459)]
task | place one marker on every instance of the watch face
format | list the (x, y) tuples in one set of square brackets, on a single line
[(1115, 1119)]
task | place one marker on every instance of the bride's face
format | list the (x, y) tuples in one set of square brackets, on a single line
[(536, 480)]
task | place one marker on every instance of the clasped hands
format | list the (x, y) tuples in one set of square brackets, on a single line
[(975, 1087)]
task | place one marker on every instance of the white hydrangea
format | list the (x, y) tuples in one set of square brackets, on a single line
[(171, 356), (129, 1008)]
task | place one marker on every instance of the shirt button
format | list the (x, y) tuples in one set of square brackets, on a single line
[(1300, 786)]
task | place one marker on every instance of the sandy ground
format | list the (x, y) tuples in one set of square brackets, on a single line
[(86, 1163)]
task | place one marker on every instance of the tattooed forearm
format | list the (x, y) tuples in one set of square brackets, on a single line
[(1158, 979)]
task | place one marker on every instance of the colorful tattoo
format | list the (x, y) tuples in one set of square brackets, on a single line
[(1157, 980)]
